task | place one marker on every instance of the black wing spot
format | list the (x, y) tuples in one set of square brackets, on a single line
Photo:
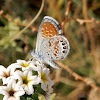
[(64, 51), (61, 40), (63, 43), (64, 47), (59, 27)]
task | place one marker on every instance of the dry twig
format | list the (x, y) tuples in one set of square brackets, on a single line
[(34, 19), (66, 14), (18, 23), (78, 77), (6, 17), (92, 20)]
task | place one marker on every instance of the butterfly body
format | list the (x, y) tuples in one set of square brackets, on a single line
[(37, 56), (50, 45)]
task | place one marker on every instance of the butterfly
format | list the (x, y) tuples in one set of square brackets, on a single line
[(50, 44)]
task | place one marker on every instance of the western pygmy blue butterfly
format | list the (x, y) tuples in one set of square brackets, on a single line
[(50, 45)]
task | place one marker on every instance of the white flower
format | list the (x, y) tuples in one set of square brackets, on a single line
[(25, 65), (6, 73), (37, 65), (49, 90), (45, 79), (28, 65), (26, 80), (12, 91)]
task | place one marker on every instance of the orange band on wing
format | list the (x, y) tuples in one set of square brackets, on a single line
[(48, 30)]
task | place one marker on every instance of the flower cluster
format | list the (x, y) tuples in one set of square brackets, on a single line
[(25, 79)]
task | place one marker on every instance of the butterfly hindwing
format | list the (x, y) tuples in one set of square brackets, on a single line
[(56, 48)]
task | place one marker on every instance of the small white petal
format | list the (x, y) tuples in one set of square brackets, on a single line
[(35, 80), (17, 98), (20, 92), (31, 90), (29, 73), (26, 88), (25, 73), (12, 98), (2, 68), (6, 97), (43, 86)]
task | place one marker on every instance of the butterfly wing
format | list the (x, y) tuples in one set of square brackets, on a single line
[(49, 27), (56, 48), (50, 44)]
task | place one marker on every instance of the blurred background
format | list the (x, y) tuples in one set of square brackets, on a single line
[(82, 29)]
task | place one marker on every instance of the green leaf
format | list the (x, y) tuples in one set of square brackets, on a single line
[(22, 98), (38, 89), (35, 96), (1, 97)]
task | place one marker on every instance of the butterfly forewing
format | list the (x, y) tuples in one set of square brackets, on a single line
[(49, 28)]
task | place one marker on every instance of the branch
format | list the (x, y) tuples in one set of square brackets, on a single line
[(18, 23), (78, 77), (6, 17), (66, 14), (92, 20), (33, 20)]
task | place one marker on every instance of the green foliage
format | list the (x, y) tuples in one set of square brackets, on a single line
[(64, 89), (38, 89), (1, 97), (30, 97)]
